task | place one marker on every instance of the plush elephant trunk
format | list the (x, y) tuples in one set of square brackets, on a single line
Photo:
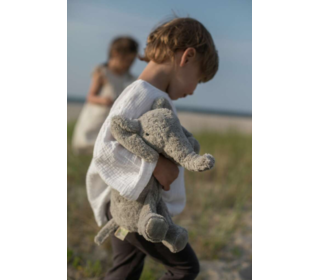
[(182, 152)]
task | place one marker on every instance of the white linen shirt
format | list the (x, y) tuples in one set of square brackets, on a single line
[(114, 166)]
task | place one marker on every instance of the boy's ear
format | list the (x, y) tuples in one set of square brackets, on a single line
[(188, 55)]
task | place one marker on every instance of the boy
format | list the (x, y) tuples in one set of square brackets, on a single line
[(180, 54)]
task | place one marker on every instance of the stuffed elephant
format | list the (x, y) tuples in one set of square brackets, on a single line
[(156, 132)]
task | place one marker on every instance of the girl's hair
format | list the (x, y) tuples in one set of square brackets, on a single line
[(180, 34), (123, 46)]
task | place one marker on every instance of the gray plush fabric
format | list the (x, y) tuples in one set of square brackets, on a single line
[(156, 132)]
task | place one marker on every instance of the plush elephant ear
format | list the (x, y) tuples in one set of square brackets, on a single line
[(161, 103), (126, 132), (194, 143)]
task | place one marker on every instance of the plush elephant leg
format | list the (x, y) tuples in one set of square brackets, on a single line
[(152, 226), (102, 235), (176, 238), (194, 143)]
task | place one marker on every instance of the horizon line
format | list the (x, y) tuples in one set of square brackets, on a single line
[(81, 100)]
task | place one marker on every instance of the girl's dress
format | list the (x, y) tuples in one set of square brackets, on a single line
[(93, 116)]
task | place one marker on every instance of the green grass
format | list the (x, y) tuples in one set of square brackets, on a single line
[(218, 203)]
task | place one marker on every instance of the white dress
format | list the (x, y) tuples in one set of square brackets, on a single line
[(93, 116)]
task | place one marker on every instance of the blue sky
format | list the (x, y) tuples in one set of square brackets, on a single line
[(93, 24)]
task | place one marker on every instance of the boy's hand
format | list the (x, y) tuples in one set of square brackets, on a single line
[(165, 172)]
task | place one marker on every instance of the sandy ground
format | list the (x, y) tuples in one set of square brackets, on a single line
[(238, 269), (194, 122)]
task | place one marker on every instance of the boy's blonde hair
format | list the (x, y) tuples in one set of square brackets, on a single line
[(180, 34)]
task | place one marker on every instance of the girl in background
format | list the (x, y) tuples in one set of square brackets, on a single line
[(108, 81)]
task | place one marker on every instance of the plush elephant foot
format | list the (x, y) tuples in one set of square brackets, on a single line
[(205, 162), (176, 239), (153, 227)]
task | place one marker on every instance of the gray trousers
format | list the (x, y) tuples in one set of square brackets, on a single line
[(129, 255)]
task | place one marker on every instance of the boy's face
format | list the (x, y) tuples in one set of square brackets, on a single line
[(186, 76)]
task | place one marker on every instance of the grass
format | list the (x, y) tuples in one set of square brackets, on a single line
[(218, 205)]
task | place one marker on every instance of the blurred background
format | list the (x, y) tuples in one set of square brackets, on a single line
[(218, 212)]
